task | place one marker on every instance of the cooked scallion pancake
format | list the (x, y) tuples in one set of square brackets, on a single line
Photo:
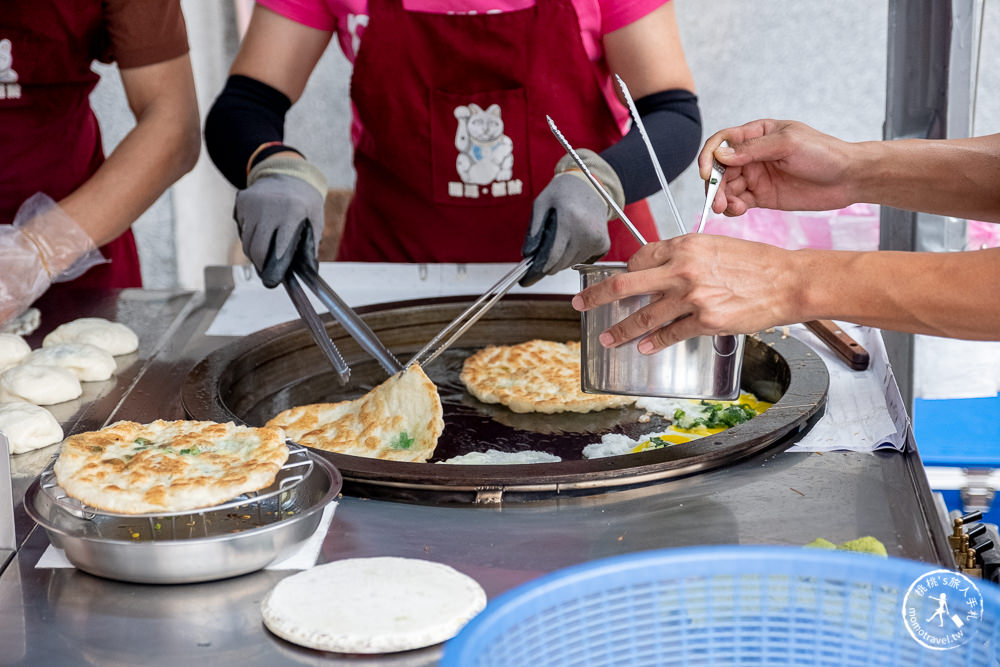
[(399, 420), (535, 376), (168, 466)]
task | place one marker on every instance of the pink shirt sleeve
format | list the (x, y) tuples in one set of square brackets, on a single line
[(312, 13), (615, 15)]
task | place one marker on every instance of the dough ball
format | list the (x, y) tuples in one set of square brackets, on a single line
[(41, 385), (13, 349), (87, 362), (28, 426), (114, 337)]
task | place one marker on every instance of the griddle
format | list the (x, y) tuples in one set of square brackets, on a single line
[(254, 378)]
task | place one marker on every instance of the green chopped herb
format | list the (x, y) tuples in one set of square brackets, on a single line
[(402, 441), (191, 450), (659, 443), (717, 415), (143, 442)]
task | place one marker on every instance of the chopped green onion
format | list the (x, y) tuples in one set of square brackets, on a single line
[(402, 441)]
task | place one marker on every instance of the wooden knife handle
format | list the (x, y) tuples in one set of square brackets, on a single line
[(843, 345)]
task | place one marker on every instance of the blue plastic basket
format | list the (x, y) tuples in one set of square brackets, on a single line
[(725, 605)]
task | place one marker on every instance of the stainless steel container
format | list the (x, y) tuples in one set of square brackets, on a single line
[(200, 545), (704, 367)]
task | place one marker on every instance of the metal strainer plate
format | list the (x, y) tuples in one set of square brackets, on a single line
[(237, 537)]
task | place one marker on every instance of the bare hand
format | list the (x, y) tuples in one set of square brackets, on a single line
[(778, 164), (702, 285)]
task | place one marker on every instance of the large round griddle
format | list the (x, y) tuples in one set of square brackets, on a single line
[(256, 377)]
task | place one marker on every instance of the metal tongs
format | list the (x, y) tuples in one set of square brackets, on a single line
[(341, 312), (471, 315), (458, 326)]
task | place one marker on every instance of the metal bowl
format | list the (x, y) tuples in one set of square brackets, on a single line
[(203, 545), (706, 367)]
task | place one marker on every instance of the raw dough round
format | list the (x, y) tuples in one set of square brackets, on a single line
[(87, 362), (41, 385), (114, 337), (372, 605), (12, 350), (28, 426)]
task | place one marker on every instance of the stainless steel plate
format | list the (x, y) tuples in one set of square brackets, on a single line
[(198, 546), (259, 375)]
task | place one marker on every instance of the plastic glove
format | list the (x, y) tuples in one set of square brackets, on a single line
[(43, 246), (569, 219), (279, 212)]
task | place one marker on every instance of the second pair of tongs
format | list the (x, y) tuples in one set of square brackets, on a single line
[(341, 312), (470, 315)]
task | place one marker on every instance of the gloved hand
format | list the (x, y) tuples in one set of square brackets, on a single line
[(279, 213), (569, 219), (43, 246)]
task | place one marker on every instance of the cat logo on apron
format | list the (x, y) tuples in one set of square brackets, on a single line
[(9, 88), (485, 154)]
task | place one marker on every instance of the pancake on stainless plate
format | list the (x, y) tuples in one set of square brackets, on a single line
[(168, 466)]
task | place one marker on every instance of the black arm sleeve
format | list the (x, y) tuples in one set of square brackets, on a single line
[(673, 123), (246, 114)]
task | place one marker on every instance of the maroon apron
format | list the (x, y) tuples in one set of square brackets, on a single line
[(455, 146), (49, 135)]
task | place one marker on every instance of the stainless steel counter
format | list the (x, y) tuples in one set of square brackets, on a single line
[(62, 616)]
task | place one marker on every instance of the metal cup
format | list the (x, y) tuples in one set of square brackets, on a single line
[(705, 367)]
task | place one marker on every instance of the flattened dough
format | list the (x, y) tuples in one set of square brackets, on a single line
[(114, 337), (372, 605), (87, 362), (28, 426), (41, 385), (13, 349)]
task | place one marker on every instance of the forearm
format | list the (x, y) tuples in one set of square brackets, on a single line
[(163, 145), (950, 177), (940, 294), (140, 169), (673, 123), (247, 116)]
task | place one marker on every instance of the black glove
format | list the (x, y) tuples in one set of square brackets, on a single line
[(279, 213), (569, 219)]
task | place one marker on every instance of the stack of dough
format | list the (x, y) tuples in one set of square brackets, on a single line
[(75, 352)]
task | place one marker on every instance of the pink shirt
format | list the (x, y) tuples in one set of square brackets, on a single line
[(349, 17)]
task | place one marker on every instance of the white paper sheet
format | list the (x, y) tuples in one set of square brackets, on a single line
[(864, 410), (303, 558)]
